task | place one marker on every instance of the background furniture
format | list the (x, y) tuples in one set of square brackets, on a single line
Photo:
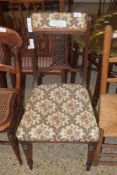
[(108, 106), (96, 43), (106, 15), (10, 102), (44, 45)]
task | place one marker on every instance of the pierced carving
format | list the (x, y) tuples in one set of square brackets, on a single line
[(44, 44), (60, 49)]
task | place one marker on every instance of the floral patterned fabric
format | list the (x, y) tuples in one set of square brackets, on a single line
[(58, 112), (76, 21)]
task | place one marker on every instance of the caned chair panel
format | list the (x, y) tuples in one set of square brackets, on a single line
[(108, 115)]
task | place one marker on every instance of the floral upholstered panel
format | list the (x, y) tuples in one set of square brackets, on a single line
[(58, 112), (61, 21)]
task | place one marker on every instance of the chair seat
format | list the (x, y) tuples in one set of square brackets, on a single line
[(108, 114), (58, 112), (7, 98)]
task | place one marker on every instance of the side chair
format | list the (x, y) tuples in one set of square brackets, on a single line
[(10, 103), (107, 106), (59, 113)]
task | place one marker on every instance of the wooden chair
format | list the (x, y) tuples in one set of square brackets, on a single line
[(59, 113), (10, 103), (107, 106)]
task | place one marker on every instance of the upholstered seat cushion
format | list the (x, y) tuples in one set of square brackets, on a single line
[(58, 112)]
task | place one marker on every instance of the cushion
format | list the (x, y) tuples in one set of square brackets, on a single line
[(58, 112)]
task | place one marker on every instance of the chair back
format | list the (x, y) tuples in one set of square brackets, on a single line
[(10, 41), (107, 59), (61, 40)]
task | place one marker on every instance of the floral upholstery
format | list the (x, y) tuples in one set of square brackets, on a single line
[(58, 112), (76, 21)]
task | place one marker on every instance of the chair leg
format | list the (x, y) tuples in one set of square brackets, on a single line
[(28, 150), (40, 79), (88, 75), (64, 77), (73, 77), (15, 144), (97, 86), (74, 60), (96, 90), (98, 148), (91, 150), (23, 83)]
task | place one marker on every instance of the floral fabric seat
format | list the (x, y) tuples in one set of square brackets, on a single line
[(58, 112)]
